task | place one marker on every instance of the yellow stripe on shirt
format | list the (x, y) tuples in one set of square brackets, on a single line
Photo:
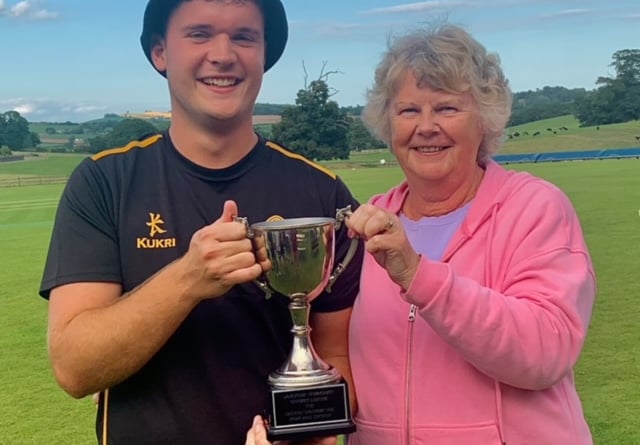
[(130, 146), (292, 155)]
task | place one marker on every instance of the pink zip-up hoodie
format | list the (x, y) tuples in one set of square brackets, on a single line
[(480, 349)]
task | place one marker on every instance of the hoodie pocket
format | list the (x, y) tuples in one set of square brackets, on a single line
[(474, 434), (370, 434)]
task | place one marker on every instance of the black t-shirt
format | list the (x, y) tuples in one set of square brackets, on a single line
[(125, 214)]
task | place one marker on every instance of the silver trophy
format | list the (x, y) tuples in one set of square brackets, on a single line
[(308, 397)]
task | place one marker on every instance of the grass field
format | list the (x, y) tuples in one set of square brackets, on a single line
[(41, 164), (606, 194)]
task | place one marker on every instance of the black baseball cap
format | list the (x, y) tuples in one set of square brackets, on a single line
[(276, 29)]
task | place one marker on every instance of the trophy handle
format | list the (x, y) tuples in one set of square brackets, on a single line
[(264, 287), (341, 215), (353, 247), (250, 234)]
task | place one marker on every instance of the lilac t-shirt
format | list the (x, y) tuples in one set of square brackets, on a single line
[(430, 235)]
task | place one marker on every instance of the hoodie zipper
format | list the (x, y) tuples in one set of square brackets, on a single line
[(412, 318)]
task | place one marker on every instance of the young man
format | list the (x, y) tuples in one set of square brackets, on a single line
[(149, 276)]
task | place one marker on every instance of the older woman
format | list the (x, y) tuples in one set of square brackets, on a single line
[(477, 288)]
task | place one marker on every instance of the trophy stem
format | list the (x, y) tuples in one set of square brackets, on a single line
[(304, 367)]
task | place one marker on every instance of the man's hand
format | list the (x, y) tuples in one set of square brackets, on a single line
[(220, 256)]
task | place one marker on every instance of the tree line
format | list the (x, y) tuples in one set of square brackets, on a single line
[(317, 127), (616, 99)]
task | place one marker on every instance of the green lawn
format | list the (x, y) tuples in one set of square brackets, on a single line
[(41, 164), (33, 410), (606, 194)]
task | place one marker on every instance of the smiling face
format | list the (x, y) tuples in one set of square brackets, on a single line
[(213, 54), (435, 136)]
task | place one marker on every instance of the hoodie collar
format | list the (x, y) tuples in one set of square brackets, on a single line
[(487, 197)]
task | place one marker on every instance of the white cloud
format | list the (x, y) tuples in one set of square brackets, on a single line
[(26, 10), (530, 12), (418, 7), (338, 29), (82, 108), (20, 9), (569, 13), (448, 5), (24, 109), (20, 105), (43, 14), (45, 110)]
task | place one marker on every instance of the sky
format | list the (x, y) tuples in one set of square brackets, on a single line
[(76, 60)]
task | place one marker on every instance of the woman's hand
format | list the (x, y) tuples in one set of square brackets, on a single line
[(257, 435), (387, 241)]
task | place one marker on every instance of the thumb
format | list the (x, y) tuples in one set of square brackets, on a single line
[(229, 211)]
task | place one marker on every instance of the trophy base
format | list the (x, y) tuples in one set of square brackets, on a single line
[(311, 431), (314, 411)]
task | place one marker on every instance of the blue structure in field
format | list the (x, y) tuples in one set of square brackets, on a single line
[(609, 153)]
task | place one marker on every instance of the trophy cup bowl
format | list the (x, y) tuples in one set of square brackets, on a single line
[(308, 397)]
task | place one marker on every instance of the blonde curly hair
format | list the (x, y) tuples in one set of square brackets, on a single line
[(444, 58)]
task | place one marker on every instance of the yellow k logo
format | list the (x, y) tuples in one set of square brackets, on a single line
[(154, 223)]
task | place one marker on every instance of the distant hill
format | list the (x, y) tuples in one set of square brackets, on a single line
[(558, 133), (564, 133), (161, 116), (149, 115), (528, 106)]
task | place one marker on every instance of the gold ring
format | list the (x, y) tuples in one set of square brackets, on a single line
[(389, 225)]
